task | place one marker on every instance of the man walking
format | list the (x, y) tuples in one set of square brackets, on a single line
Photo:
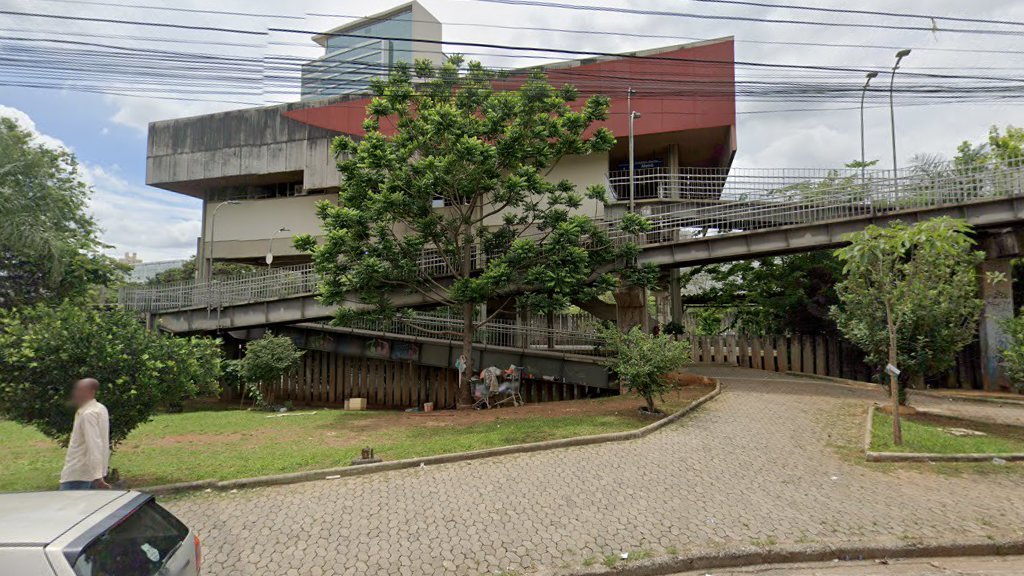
[(85, 465)]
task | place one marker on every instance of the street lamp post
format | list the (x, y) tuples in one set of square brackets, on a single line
[(892, 118), (863, 156), (213, 237), (270, 249), (632, 116)]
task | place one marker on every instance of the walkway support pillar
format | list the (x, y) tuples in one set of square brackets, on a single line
[(675, 302), (631, 308), (997, 294), (996, 278)]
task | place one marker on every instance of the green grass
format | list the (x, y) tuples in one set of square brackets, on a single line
[(226, 444), (925, 434)]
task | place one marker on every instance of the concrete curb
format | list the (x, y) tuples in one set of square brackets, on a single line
[(836, 380), (351, 471), (751, 556), (871, 456)]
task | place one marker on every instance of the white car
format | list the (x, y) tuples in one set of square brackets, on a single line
[(93, 533)]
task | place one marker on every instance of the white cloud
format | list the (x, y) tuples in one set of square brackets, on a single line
[(138, 112), (27, 123), (156, 224)]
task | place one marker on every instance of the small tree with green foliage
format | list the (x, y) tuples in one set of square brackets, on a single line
[(909, 297), (43, 351), (266, 361), (643, 361)]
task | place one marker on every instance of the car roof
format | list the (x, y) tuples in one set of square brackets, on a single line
[(38, 518)]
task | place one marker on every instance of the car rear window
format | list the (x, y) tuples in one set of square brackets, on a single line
[(137, 546)]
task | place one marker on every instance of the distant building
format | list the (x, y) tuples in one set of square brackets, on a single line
[(356, 53), (130, 258)]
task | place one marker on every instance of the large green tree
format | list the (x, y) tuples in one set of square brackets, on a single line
[(49, 244), (460, 176), (44, 350), (777, 295), (909, 297)]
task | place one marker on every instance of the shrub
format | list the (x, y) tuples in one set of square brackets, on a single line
[(43, 351), (643, 361), (1013, 354), (266, 360)]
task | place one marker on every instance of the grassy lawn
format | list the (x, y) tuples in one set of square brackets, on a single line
[(227, 443), (925, 433)]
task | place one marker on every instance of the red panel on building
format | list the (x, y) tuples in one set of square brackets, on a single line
[(678, 89)]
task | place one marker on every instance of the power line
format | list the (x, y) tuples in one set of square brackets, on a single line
[(863, 12), (694, 15)]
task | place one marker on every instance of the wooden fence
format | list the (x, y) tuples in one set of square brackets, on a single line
[(815, 354), (329, 378)]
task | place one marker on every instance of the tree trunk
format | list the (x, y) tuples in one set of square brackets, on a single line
[(468, 328), (650, 403), (894, 381)]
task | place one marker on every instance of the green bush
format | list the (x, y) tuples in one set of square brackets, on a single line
[(1013, 354), (266, 360), (643, 360), (43, 351)]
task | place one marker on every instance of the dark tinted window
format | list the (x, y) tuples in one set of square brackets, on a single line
[(137, 546)]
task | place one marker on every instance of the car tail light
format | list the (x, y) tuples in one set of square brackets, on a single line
[(199, 554)]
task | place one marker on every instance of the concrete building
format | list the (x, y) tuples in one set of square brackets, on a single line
[(358, 52), (259, 170)]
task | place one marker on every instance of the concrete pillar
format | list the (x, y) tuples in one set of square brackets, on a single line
[(631, 308), (997, 293), (675, 302), (662, 299)]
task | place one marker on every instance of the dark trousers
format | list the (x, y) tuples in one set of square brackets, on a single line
[(76, 485)]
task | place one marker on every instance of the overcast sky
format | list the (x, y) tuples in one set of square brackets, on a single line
[(108, 132)]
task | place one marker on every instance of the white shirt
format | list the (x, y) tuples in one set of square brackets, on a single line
[(89, 448)]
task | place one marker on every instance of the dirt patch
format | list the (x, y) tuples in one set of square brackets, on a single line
[(197, 439), (989, 428)]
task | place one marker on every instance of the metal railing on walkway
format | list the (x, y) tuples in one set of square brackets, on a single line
[(747, 201)]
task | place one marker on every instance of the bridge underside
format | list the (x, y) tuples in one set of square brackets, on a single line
[(983, 214)]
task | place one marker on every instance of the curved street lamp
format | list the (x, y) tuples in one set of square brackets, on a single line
[(632, 116), (863, 158), (892, 117), (213, 224), (270, 248)]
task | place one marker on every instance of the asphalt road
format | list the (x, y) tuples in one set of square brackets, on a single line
[(980, 566)]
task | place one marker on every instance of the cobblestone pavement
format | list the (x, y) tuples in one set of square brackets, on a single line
[(756, 466), (983, 566)]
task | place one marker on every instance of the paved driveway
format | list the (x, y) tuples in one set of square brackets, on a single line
[(755, 466)]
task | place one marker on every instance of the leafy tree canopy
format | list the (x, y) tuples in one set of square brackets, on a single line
[(49, 244), (187, 272), (46, 349), (1001, 147), (777, 295)]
